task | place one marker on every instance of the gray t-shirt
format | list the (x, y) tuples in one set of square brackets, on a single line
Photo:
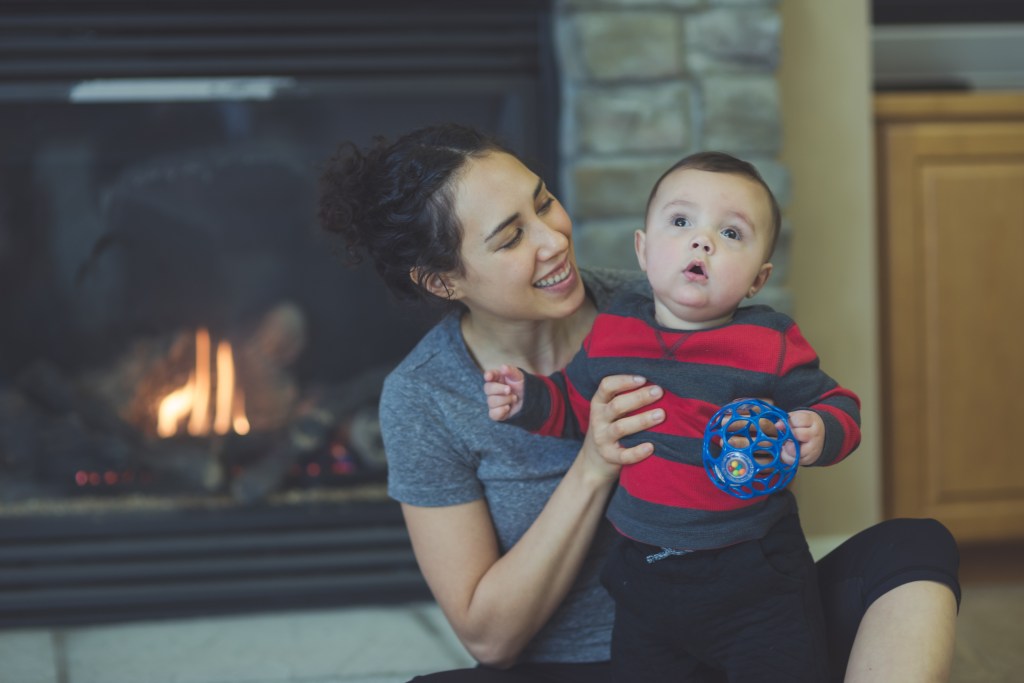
[(442, 449)]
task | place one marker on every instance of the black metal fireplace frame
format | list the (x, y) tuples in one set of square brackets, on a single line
[(50, 46), (115, 566), (123, 566)]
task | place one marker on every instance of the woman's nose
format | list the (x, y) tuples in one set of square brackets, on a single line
[(552, 242)]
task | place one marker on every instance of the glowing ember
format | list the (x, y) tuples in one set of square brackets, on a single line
[(210, 401)]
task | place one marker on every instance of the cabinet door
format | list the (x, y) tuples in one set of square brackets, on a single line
[(952, 244)]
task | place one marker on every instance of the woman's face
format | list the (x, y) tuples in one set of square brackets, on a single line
[(516, 245)]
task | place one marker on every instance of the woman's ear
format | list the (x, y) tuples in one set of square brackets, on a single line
[(760, 279), (440, 286)]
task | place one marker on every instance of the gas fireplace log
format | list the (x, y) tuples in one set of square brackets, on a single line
[(185, 465), (43, 453), (313, 424), (45, 385), (20, 426), (308, 431)]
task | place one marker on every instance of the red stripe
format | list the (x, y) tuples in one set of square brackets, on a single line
[(579, 404), (798, 351), (748, 347), (683, 416), (674, 484), (851, 430), (554, 425)]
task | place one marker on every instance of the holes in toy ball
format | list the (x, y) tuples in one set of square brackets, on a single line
[(743, 449)]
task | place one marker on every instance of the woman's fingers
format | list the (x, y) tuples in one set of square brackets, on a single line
[(625, 394), (634, 454), (614, 415), (631, 424)]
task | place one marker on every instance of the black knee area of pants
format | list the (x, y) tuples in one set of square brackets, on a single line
[(895, 552), (872, 563), (929, 552)]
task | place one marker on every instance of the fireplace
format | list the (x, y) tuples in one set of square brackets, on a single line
[(188, 374)]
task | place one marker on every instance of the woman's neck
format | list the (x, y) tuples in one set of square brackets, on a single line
[(538, 346)]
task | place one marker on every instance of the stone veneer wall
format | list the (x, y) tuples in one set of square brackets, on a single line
[(646, 82)]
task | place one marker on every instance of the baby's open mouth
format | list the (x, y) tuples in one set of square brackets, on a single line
[(696, 270)]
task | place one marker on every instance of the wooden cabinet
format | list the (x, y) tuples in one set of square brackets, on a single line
[(951, 220)]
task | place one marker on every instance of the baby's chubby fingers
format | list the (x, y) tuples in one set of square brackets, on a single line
[(504, 373), (502, 399), (788, 455), (498, 413), (497, 389)]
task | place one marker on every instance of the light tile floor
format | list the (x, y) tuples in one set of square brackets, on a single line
[(354, 645), (387, 644), (372, 645)]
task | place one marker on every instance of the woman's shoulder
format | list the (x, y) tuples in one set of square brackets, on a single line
[(436, 355), (604, 284), (437, 341), (765, 316)]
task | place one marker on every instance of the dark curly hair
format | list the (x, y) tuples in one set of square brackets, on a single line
[(720, 162), (392, 202)]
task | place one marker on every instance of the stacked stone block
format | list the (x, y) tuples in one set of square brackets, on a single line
[(646, 82)]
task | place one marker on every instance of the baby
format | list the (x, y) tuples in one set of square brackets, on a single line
[(703, 581)]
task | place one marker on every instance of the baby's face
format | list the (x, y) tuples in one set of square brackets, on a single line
[(704, 246)]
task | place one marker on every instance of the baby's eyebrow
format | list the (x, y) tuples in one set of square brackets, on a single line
[(680, 202), (514, 217), (743, 217)]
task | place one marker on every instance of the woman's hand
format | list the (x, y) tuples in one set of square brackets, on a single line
[(613, 415), (497, 602)]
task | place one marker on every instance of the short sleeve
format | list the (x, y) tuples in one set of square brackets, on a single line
[(427, 463)]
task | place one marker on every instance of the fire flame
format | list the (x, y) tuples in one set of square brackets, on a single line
[(212, 381)]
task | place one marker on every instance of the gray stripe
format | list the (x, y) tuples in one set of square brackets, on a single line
[(687, 529)]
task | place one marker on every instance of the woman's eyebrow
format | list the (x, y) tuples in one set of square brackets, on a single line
[(512, 219)]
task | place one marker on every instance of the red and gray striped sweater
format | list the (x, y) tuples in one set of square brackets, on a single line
[(667, 500)]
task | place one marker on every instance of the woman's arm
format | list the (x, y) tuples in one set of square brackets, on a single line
[(497, 603)]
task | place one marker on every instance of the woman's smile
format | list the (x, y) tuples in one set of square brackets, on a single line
[(560, 275)]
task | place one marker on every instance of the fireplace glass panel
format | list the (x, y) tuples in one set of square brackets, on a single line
[(175, 329)]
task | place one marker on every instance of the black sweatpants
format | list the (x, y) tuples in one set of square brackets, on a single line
[(850, 579), (749, 612)]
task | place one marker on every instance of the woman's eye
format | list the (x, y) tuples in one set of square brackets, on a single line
[(681, 222), (731, 233), (545, 206), (516, 238)]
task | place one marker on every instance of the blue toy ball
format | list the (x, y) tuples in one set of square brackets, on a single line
[(754, 468)]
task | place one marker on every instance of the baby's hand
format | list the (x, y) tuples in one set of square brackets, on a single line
[(504, 388), (809, 430)]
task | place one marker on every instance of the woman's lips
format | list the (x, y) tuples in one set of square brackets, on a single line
[(560, 275)]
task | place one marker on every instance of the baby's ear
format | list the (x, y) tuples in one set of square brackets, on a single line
[(639, 240), (760, 279)]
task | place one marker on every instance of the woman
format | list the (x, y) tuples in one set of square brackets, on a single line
[(508, 527)]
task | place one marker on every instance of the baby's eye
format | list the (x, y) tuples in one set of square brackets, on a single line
[(731, 233), (681, 222)]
